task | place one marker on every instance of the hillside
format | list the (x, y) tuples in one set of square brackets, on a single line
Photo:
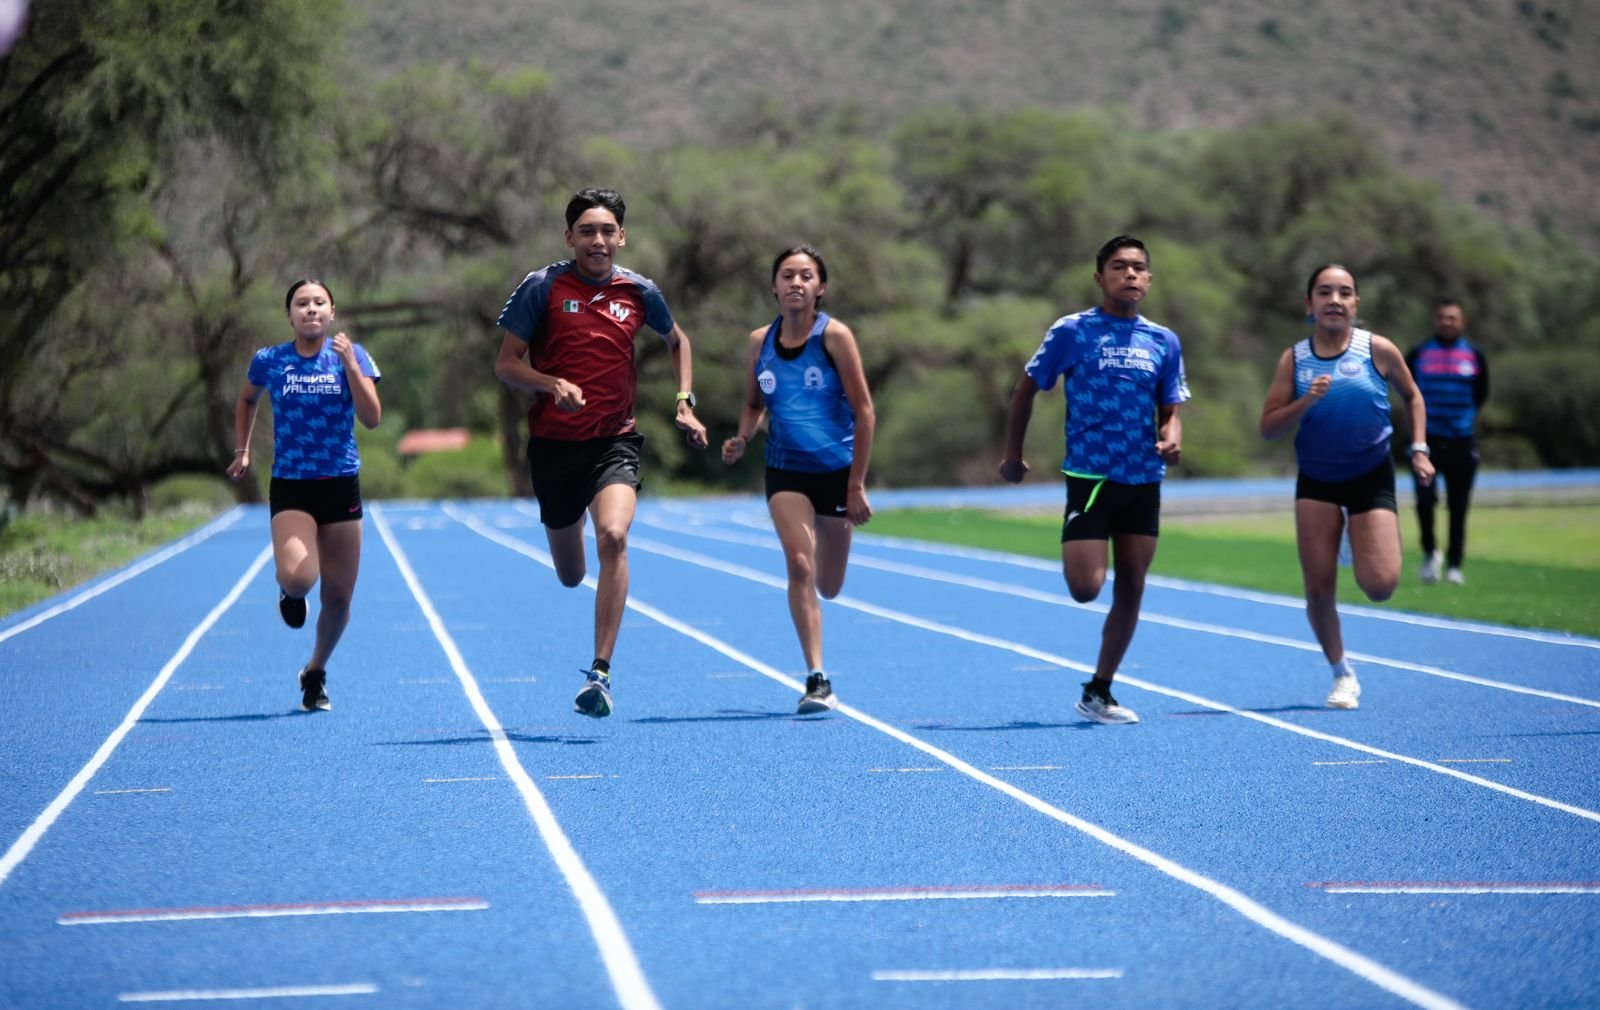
[(1496, 100)]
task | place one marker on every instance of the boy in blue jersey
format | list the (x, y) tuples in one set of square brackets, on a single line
[(1454, 378), (1124, 380)]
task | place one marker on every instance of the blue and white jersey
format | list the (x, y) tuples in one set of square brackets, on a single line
[(1345, 434), (1117, 372), (313, 414), (810, 426)]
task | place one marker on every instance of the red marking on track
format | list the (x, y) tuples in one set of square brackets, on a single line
[(276, 909)]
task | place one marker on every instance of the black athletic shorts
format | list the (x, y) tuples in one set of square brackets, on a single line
[(1372, 490), (827, 491), (325, 499), (568, 474), (1099, 509)]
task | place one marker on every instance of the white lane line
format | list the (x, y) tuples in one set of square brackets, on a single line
[(276, 911), (622, 965), (1354, 962), (200, 535), (978, 638), (469, 778), (907, 544), (902, 894), (130, 792), (995, 974), (1153, 617), (905, 770), (23, 845), (1246, 595), (1361, 762), (1448, 887), (1473, 761), (271, 992), (1026, 768)]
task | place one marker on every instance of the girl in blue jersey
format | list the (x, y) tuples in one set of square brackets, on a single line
[(320, 385), (1334, 385), (804, 374)]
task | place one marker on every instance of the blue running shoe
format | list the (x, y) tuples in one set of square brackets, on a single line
[(595, 698)]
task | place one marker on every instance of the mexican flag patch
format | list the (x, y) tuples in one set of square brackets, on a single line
[(571, 305)]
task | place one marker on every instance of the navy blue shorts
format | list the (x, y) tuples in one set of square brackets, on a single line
[(325, 499)]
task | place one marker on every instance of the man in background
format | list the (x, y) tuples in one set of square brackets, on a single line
[(1454, 378)]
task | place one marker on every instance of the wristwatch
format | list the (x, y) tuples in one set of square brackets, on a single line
[(1421, 447), (689, 397)]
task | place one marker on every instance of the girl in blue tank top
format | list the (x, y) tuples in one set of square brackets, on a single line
[(1334, 386), (804, 375)]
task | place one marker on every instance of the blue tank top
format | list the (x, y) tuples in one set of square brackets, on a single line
[(1347, 433), (810, 426)]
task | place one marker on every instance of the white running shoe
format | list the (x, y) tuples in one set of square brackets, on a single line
[(1454, 577), (1104, 710), (1430, 568), (1346, 692)]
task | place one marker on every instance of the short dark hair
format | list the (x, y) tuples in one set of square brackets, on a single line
[(1311, 282), (1446, 301), (1120, 242), (288, 299), (586, 199)]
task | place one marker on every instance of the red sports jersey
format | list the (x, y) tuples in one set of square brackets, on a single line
[(582, 331)]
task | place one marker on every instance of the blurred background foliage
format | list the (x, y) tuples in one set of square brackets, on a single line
[(156, 208)]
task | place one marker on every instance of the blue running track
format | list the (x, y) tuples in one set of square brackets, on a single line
[(174, 831)]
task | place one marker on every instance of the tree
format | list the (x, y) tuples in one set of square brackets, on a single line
[(96, 102)]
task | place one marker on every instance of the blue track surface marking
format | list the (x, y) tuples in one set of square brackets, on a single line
[(452, 835)]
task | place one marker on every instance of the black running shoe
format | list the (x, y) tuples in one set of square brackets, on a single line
[(313, 690), (818, 697), (595, 698), (293, 609)]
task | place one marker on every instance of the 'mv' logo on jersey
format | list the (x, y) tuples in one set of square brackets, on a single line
[(619, 311)]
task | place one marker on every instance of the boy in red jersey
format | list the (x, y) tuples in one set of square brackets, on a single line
[(569, 332)]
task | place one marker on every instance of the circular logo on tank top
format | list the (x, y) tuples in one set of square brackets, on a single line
[(1349, 367), (768, 382)]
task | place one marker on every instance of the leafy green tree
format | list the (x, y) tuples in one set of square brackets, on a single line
[(97, 102)]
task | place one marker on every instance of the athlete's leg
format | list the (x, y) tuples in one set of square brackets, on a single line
[(833, 554), (340, 547), (1375, 552), (1132, 555), (566, 552), (612, 509), (294, 552), (795, 519), (1083, 565), (1318, 528)]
